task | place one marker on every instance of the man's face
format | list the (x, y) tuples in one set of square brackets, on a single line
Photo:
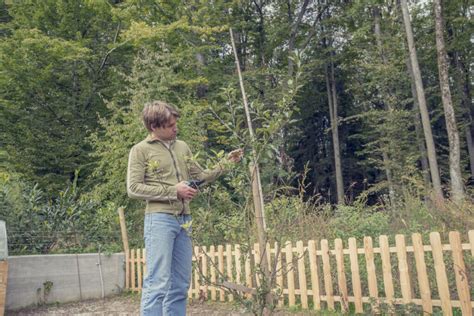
[(166, 132)]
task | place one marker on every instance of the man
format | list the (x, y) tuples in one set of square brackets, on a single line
[(158, 170)]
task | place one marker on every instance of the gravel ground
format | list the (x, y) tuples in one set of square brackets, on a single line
[(121, 305), (125, 305)]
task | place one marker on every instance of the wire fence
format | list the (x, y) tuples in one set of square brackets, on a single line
[(44, 242)]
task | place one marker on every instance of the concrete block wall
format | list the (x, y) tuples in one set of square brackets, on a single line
[(62, 278)]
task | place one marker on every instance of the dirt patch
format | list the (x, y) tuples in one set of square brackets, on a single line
[(129, 305)]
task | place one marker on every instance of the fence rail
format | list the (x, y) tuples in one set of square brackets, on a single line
[(319, 275)]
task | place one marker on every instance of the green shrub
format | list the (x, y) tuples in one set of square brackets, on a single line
[(355, 221), (68, 222)]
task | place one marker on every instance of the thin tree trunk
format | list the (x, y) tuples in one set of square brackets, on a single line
[(335, 132), (470, 148), (257, 191), (261, 33), (425, 168), (202, 88), (385, 157), (294, 32), (420, 95), (457, 189), (378, 34), (464, 82), (332, 100)]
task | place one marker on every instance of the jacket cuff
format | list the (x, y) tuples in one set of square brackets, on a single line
[(173, 192)]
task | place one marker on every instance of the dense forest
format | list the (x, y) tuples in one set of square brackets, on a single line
[(362, 112)]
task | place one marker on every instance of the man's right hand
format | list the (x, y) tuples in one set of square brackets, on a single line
[(184, 191)]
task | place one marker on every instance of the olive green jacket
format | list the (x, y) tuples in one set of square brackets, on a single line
[(154, 170)]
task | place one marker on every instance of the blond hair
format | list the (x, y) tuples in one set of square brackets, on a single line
[(157, 113)]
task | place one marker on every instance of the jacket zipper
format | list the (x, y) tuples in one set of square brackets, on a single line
[(176, 170)]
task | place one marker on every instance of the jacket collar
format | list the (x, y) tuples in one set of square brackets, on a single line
[(150, 140)]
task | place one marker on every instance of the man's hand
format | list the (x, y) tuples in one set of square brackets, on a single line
[(235, 155), (184, 191)]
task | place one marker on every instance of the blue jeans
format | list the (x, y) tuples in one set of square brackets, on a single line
[(168, 265)]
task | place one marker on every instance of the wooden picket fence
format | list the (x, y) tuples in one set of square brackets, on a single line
[(317, 276)]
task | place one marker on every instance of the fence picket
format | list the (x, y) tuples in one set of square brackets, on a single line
[(257, 260), (220, 265), (302, 274), (279, 271), (441, 277), (386, 269), (127, 268), (327, 274), (460, 272), (356, 287), (190, 290), (204, 273), (139, 269), (313, 264), (212, 268), (228, 260), (405, 283), (248, 271), (423, 282), (132, 268), (4, 284), (238, 264), (341, 274), (290, 273), (371, 272), (197, 285)]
